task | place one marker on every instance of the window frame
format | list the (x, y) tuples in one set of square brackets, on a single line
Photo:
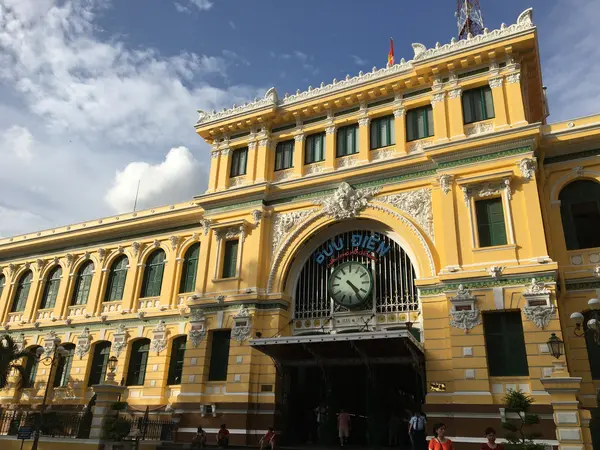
[(234, 254), (22, 291), (375, 132), (51, 288), (101, 351), (83, 284), (412, 122), (176, 360), (153, 269), (189, 265), (509, 354), (342, 150), (585, 192), (476, 97), (63, 368), (235, 169), (489, 224), (310, 148), (138, 362), (283, 150), (117, 279), (222, 372)]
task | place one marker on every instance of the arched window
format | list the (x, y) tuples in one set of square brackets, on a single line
[(176, 362), (63, 369), (116, 279), (153, 274), (136, 372), (190, 267), (22, 292), (51, 288), (99, 363), (2, 283), (31, 366), (83, 284), (580, 212)]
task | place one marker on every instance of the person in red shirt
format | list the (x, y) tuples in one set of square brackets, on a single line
[(268, 439), (440, 441), (223, 437), (343, 423), (490, 434)]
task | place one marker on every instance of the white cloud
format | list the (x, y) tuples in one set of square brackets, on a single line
[(82, 107), (201, 5), (14, 220), (358, 60), (179, 174), (18, 142)]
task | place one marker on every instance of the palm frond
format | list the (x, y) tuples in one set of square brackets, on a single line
[(23, 375)]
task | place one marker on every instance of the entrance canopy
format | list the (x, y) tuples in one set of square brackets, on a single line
[(378, 347)]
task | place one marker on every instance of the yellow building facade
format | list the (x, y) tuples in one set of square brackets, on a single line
[(451, 213)]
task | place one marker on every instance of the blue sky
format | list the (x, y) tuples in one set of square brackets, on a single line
[(96, 95)]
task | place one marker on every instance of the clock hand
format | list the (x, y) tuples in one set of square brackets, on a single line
[(354, 288)]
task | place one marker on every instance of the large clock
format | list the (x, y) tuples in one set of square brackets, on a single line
[(350, 284)]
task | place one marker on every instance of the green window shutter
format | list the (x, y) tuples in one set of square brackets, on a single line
[(116, 280), (284, 155), (382, 132), (429, 121), (340, 142), (136, 372), (32, 367), (346, 140), (230, 259), (83, 284), (153, 274), (51, 289), (374, 134), (505, 344), (189, 270), (419, 123), (580, 214), (478, 104), (63, 368), (22, 292), (488, 103), (410, 126), (239, 160), (99, 363), (177, 360), (313, 150), (219, 355), (490, 222), (467, 105)]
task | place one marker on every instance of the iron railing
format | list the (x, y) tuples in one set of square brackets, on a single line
[(54, 424), (151, 429)]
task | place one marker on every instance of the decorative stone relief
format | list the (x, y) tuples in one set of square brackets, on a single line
[(348, 161), (346, 202), (119, 340), (363, 121), (174, 240), (330, 130), (513, 78), (445, 181), (382, 155), (136, 247), (283, 175), (438, 98), (597, 271), (19, 341), (455, 93), (399, 112), (579, 170), (527, 167), (257, 216), (49, 343), (101, 254), (416, 204), (197, 327), (419, 146), (536, 288), (206, 223), (495, 272), (465, 320), (537, 296), (84, 343), (237, 181), (156, 243), (231, 233), (496, 82), (539, 315), (486, 190), (70, 259), (284, 222), (159, 337), (242, 325), (314, 169), (479, 128), (40, 263)]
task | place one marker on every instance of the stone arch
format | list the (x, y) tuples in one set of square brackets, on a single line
[(17, 274), (43, 274), (187, 243), (77, 264), (573, 175), (150, 248), (407, 234), (115, 254)]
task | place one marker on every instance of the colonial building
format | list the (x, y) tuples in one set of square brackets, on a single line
[(405, 238)]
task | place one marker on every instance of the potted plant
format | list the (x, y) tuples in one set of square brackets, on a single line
[(519, 436)]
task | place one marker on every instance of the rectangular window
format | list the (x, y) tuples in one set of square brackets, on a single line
[(346, 141), (505, 344), (284, 155), (230, 258), (219, 355), (382, 132), (239, 160), (478, 104), (419, 123), (490, 222), (314, 150)]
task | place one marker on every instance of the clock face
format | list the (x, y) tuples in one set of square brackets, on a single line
[(350, 284)]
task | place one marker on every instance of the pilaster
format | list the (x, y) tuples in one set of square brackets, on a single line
[(330, 147), (215, 160), (299, 140), (514, 95), (445, 219), (263, 166), (400, 129), (499, 97), (251, 167), (440, 126), (364, 153), (455, 114), (225, 162)]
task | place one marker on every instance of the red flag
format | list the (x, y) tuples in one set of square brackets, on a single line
[(390, 61)]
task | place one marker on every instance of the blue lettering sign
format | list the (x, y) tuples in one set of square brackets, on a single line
[(370, 242)]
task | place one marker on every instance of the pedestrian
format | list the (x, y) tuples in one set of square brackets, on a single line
[(343, 423), (199, 439), (490, 434), (268, 440), (416, 431), (223, 437), (439, 441), (321, 412)]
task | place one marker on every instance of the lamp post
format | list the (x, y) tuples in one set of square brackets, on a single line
[(58, 352), (557, 349), (592, 325), (112, 366)]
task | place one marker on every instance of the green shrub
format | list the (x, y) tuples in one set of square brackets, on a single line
[(518, 436)]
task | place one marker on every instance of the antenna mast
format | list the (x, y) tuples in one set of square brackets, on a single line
[(136, 195), (470, 19)]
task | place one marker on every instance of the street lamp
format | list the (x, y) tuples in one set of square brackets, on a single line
[(556, 346), (593, 323), (52, 360), (112, 366)]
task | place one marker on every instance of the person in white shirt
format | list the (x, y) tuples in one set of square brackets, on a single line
[(416, 431)]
